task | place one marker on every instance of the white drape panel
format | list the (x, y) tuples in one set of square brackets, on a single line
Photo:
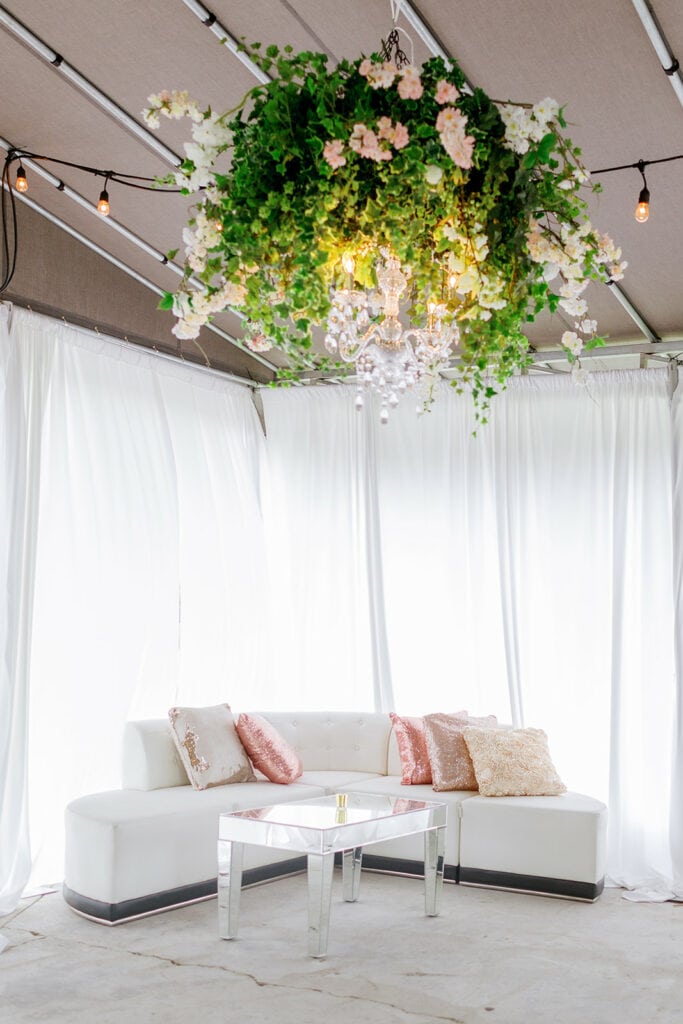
[(526, 571), (677, 773), (327, 625), (149, 568)]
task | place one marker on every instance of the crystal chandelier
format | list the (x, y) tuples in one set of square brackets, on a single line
[(364, 328)]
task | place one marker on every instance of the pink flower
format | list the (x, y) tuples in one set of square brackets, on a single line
[(458, 146), (451, 118), (410, 86), (333, 153), (356, 137), (401, 137), (445, 92), (365, 67), (385, 128)]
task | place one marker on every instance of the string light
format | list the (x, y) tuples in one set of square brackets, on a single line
[(643, 208), (103, 201), (21, 184)]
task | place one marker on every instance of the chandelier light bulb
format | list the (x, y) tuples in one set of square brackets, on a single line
[(21, 183), (643, 207), (452, 281), (103, 203), (348, 263)]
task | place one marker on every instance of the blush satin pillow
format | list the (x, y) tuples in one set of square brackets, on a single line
[(269, 752), (448, 754), (412, 750), (513, 762), (209, 746)]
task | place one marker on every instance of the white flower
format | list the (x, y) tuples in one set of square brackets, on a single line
[(572, 342), (546, 110), (575, 307), (587, 326), (580, 375), (433, 174)]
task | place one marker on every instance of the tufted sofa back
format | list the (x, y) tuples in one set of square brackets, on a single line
[(325, 741)]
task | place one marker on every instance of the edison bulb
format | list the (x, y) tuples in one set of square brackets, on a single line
[(643, 207), (103, 203), (21, 183), (642, 212)]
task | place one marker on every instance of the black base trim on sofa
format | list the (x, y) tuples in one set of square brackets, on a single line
[(532, 883), (171, 899), (400, 866)]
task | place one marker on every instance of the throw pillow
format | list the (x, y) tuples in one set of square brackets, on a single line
[(269, 751), (412, 750), (209, 746), (449, 757), (513, 762)]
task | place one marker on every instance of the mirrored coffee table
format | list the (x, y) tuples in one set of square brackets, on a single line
[(321, 827)]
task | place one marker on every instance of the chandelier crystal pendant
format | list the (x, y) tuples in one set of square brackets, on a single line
[(364, 328)]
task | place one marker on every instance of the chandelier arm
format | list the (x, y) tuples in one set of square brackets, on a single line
[(351, 354)]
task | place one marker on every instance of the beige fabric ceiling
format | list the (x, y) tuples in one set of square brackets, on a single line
[(595, 57)]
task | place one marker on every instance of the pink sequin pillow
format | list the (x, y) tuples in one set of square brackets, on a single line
[(449, 757), (412, 750), (268, 751)]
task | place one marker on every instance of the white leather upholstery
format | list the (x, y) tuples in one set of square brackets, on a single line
[(150, 758), (328, 741), (412, 847), (159, 834), (126, 844), (332, 782), (546, 836)]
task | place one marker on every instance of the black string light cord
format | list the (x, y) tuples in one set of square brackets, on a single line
[(8, 209), (10, 241)]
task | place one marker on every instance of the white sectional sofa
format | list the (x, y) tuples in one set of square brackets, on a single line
[(152, 845)]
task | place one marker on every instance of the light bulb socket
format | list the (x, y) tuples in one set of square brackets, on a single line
[(21, 183), (644, 196)]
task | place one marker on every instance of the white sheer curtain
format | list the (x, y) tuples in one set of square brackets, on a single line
[(526, 571), (330, 650), (144, 545)]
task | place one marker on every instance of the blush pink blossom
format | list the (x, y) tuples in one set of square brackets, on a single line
[(332, 152), (385, 128), (450, 118), (445, 92), (410, 86), (401, 137)]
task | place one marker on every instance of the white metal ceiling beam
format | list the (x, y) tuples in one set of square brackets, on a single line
[(221, 33), (84, 85), (670, 65), (120, 265)]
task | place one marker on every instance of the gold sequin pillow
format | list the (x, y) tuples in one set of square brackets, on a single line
[(513, 762), (449, 757), (209, 747)]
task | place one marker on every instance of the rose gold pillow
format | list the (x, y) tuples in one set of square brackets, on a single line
[(513, 762), (412, 750), (209, 746), (448, 754), (269, 752)]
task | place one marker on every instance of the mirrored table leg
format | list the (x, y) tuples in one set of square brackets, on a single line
[(434, 861), (351, 864), (320, 867), (229, 887)]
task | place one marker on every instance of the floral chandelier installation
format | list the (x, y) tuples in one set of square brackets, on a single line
[(411, 220)]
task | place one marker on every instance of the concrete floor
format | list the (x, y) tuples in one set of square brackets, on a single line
[(490, 956)]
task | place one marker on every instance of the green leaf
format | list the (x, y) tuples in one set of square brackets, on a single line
[(166, 301)]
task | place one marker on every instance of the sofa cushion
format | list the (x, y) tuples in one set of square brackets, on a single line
[(412, 750), (125, 844), (331, 781), (209, 747), (562, 837)]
